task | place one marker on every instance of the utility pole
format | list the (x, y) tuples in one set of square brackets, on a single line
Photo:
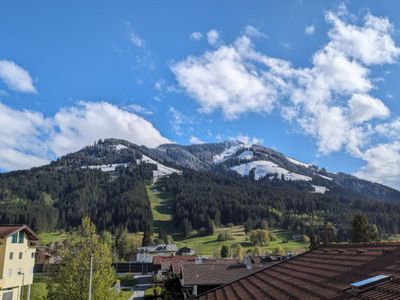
[(90, 276)]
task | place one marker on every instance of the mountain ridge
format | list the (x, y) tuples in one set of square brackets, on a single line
[(234, 158)]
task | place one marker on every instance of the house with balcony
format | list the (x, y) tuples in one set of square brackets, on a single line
[(17, 259)]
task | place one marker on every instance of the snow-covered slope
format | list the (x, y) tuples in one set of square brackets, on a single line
[(161, 169), (320, 189), (228, 153), (264, 168), (246, 155), (107, 168), (296, 162)]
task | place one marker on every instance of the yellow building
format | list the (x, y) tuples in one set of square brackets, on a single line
[(17, 259)]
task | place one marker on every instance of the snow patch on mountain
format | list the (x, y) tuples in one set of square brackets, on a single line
[(246, 155), (161, 171), (107, 168), (320, 189), (228, 153), (120, 147), (325, 177), (296, 162), (263, 168)]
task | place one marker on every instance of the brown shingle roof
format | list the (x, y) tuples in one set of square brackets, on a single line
[(213, 274), (9, 229), (323, 273)]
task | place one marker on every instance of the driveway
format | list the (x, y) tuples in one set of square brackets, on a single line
[(144, 282)]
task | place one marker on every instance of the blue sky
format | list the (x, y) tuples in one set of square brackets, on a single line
[(315, 80)]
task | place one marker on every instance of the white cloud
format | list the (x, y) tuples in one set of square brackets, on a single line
[(222, 80), (22, 138), (136, 108), (251, 31), (213, 37), (247, 140), (29, 139), (309, 30), (383, 164), (135, 39), (195, 140), (330, 100), (364, 108), (371, 43), (80, 125), (15, 77), (196, 36)]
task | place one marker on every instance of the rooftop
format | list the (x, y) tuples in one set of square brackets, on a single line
[(213, 274), (9, 229), (324, 273)]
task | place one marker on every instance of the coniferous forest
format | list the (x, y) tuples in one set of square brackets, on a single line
[(202, 196), (50, 198)]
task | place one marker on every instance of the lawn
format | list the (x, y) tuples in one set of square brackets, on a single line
[(207, 245), (38, 289), (162, 208), (52, 237)]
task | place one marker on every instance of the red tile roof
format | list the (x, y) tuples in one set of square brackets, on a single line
[(158, 260), (213, 274), (323, 273), (9, 229)]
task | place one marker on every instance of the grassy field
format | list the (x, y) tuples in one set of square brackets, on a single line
[(161, 204), (38, 290), (52, 237)]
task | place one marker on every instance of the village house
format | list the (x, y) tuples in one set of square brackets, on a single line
[(336, 271), (17, 259), (147, 253)]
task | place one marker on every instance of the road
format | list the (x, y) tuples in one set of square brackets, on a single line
[(144, 282)]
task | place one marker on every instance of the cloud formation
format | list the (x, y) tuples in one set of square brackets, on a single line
[(30, 139), (196, 36), (15, 77), (309, 30), (330, 100)]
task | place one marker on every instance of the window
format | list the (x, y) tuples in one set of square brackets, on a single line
[(21, 238), (11, 255), (33, 255), (9, 272), (14, 238), (20, 255)]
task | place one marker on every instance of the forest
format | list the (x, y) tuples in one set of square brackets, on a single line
[(202, 197), (50, 198)]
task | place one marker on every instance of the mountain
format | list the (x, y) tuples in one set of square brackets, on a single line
[(229, 157), (220, 183)]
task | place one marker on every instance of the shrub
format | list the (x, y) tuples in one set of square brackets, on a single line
[(149, 293), (272, 236), (224, 236), (158, 291)]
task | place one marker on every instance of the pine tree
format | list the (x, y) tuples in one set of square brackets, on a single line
[(225, 251), (362, 231), (71, 279)]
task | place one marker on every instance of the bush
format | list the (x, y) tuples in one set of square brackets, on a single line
[(304, 238), (272, 236), (224, 236), (259, 237), (128, 280), (149, 293), (157, 278), (158, 291)]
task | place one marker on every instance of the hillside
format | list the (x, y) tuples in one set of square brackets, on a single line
[(228, 182)]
